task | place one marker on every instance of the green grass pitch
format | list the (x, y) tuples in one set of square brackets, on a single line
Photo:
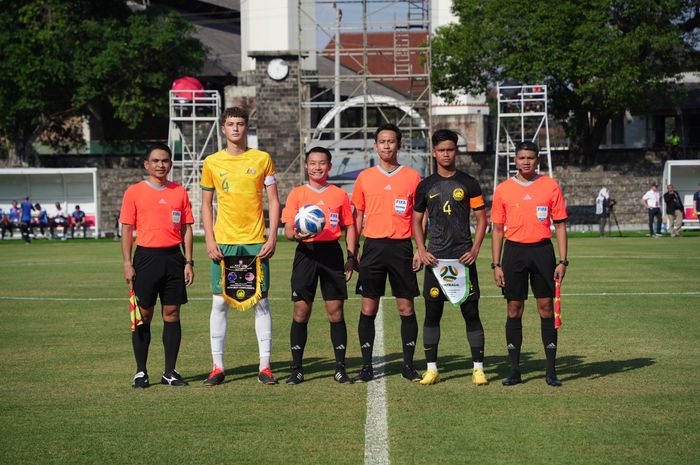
[(628, 357)]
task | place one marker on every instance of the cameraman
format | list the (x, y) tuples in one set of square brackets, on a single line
[(603, 205)]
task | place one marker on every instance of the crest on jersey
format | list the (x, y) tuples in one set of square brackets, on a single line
[(458, 194), (176, 215), (542, 213), (434, 292), (400, 206), (335, 219)]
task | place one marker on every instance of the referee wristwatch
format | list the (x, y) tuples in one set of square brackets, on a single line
[(564, 262), (189, 262), (495, 265)]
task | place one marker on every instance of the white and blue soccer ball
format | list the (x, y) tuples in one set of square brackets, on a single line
[(310, 220)]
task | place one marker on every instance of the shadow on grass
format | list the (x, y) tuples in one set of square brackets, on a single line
[(569, 367), (315, 368)]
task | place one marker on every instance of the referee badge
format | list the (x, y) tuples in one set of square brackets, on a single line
[(400, 206), (458, 194), (176, 216), (542, 213), (335, 218)]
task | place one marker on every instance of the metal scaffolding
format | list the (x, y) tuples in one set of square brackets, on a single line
[(522, 115), (372, 66), (193, 133)]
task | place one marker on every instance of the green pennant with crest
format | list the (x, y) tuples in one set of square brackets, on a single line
[(453, 278)]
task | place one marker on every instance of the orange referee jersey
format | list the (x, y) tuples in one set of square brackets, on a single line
[(331, 199), (387, 200), (157, 213), (527, 209)]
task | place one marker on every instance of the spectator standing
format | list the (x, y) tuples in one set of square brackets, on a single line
[(696, 201), (674, 211), (602, 208), (26, 217), (652, 202)]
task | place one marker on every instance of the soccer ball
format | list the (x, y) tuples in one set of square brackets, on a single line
[(310, 220)]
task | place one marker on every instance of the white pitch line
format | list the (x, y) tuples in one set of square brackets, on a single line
[(376, 424), (204, 299)]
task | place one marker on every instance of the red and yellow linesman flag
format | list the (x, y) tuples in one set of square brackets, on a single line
[(134, 311), (557, 303)]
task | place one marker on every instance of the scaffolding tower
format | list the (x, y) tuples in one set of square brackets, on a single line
[(193, 133), (522, 116), (372, 67)]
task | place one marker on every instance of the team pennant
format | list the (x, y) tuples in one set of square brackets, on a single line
[(134, 311), (453, 278), (557, 303), (241, 281)]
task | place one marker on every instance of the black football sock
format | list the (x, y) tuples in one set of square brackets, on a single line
[(297, 341), (549, 340), (431, 329), (365, 331), (409, 334), (140, 340), (475, 330), (514, 338), (339, 339), (172, 335)]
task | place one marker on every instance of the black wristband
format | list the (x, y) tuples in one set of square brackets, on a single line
[(495, 265), (189, 262)]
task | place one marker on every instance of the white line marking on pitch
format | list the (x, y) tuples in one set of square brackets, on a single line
[(204, 299), (376, 425)]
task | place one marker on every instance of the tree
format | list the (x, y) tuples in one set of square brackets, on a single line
[(598, 58), (61, 58)]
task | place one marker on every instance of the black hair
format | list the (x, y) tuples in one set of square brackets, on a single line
[(319, 149), (528, 146), (441, 135), (388, 127), (158, 146)]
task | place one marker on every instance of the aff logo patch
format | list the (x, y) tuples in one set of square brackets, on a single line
[(400, 206), (176, 216), (250, 171), (542, 213), (458, 194), (334, 219)]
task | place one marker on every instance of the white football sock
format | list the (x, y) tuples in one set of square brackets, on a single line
[(263, 330), (478, 365), (432, 366), (218, 324)]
